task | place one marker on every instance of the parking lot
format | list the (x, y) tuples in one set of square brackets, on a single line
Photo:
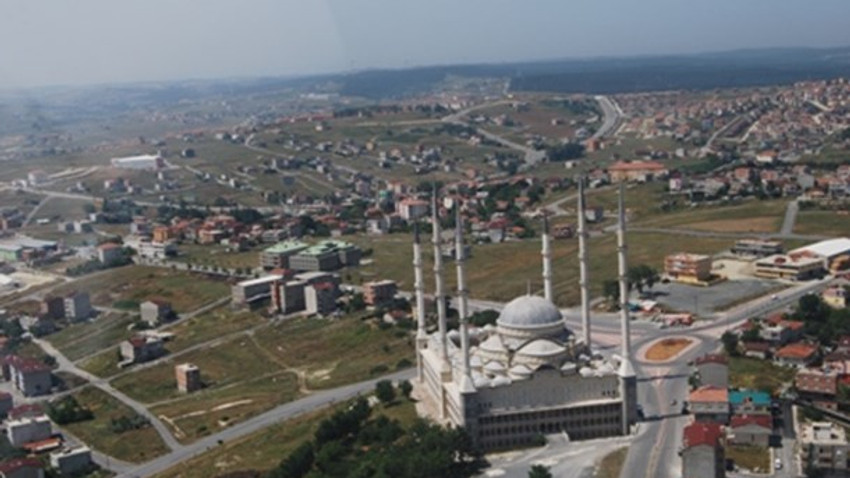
[(705, 301)]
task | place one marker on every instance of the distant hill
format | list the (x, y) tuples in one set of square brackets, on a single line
[(616, 75)]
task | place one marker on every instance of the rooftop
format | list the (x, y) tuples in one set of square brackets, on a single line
[(797, 351), (759, 398), (763, 421), (709, 393), (286, 246), (828, 248), (699, 433)]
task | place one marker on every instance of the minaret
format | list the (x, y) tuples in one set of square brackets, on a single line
[(584, 279), (628, 380), (547, 262), (466, 385), (439, 293), (623, 271), (419, 288)]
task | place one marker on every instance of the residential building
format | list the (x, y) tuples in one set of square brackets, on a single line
[(147, 249), (188, 377), (321, 298), (27, 430), (823, 445), (326, 256), (155, 311), (703, 454), (27, 410), (53, 307), (689, 268), (779, 331), (749, 402), (759, 350), (31, 377), (713, 370), (796, 355), (639, 171), (836, 296), (6, 403), (709, 404), (757, 247), (139, 348), (819, 386), (22, 468), (77, 306), (790, 267), (277, 256), (162, 234), (141, 162), (379, 292), (411, 209), (109, 253), (70, 461), (750, 430)]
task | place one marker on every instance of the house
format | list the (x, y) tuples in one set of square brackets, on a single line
[(640, 171), (31, 377), (792, 266), (27, 430), (824, 447), (750, 430), (749, 402), (594, 213), (53, 307), (71, 461), (21, 468), (835, 296), (77, 306), (27, 410), (779, 331), (139, 348), (713, 370), (796, 355), (6, 403), (155, 311), (703, 454), (820, 386), (379, 292), (188, 377), (109, 253), (709, 404), (759, 350)]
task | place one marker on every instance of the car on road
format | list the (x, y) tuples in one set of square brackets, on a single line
[(777, 464)]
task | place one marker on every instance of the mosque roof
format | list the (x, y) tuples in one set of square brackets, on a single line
[(529, 311)]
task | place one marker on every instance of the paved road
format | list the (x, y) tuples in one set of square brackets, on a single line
[(611, 117), (279, 414), (790, 218), (725, 235)]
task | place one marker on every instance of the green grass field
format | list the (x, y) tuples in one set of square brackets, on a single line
[(264, 449), (186, 291), (133, 446), (753, 458), (81, 339), (755, 374), (825, 223), (218, 256)]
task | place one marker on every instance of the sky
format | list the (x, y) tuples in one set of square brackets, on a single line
[(74, 42)]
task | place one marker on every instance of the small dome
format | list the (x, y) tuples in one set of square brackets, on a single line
[(520, 371), (529, 311), (541, 348), (494, 367), (493, 344), (500, 381)]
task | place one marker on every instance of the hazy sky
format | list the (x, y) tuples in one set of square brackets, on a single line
[(54, 42)]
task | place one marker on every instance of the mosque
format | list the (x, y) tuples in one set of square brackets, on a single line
[(529, 375)]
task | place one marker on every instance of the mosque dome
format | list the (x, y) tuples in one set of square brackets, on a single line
[(529, 311)]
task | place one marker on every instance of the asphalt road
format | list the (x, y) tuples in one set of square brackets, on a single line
[(611, 117), (279, 414), (790, 218)]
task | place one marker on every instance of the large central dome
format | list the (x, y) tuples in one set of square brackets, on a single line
[(529, 311)]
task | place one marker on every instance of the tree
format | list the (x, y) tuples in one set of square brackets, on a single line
[(730, 343), (405, 387), (385, 391), (539, 471), (611, 290)]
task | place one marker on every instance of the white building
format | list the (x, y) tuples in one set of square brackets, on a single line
[(141, 162), (27, 430)]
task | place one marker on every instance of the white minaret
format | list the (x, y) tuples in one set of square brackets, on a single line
[(623, 271), (547, 262), (439, 293), (584, 277), (628, 379), (466, 384), (419, 288)]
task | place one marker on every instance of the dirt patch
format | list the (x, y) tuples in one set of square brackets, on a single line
[(666, 349)]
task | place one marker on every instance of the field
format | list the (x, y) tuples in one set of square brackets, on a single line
[(78, 340), (264, 449), (754, 374), (218, 256), (748, 216), (214, 324), (753, 458), (666, 349), (134, 446), (500, 271), (825, 223), (185, 291)]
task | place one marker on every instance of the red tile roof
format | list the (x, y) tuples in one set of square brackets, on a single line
[(797, 351), (699, 433), (709, 393), (11, 466), (637, 166), (26, 410), (763, 421)]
